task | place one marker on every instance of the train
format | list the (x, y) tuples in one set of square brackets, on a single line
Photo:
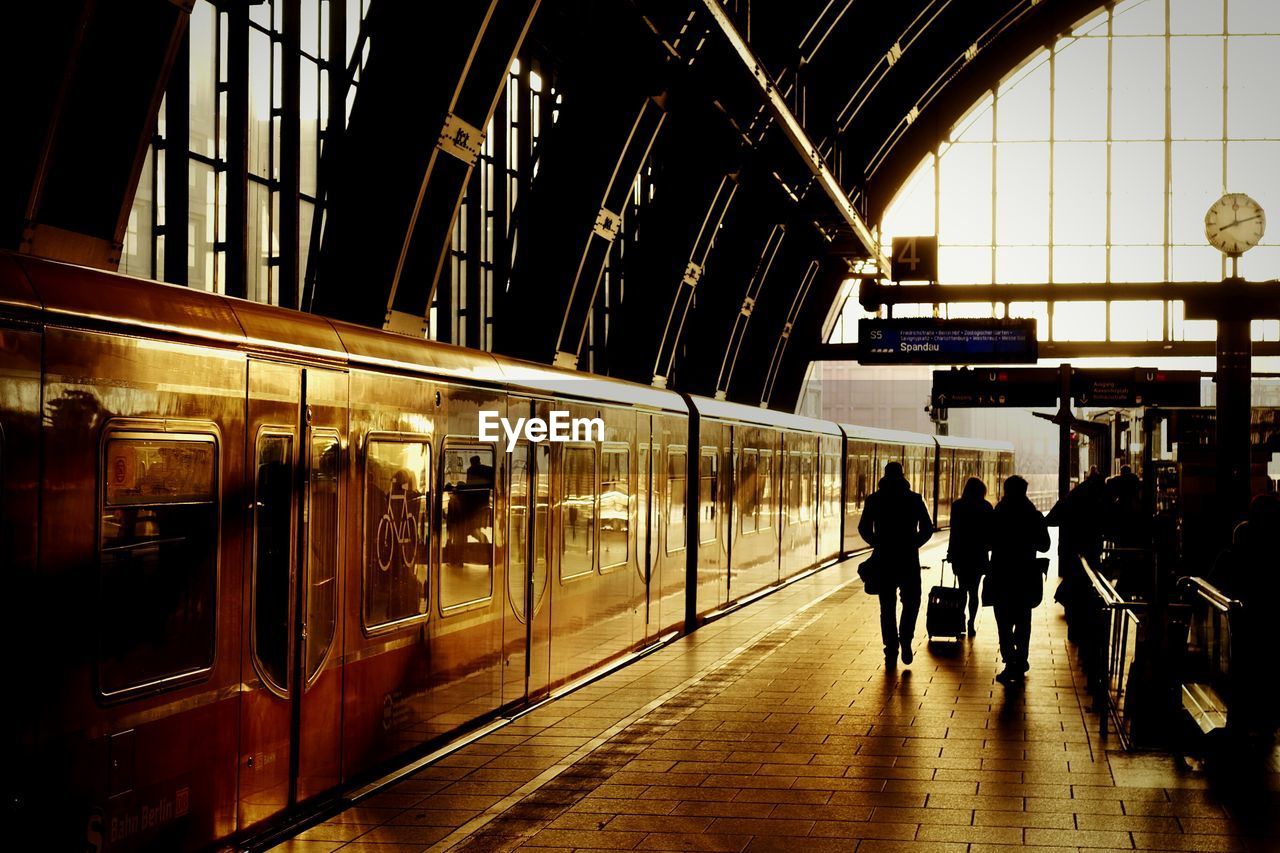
[(255, 557)]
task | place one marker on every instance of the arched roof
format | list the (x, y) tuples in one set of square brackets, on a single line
[(718, 106)]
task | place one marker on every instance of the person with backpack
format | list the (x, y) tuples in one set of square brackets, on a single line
[(1015, 581), (896, 523)]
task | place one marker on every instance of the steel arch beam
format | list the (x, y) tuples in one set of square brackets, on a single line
[(89, 77), (403, 169)]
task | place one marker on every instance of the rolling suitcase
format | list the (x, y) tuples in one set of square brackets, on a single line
[(945, 614)]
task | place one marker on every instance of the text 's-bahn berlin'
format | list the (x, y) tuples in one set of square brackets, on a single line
[(584, 425)]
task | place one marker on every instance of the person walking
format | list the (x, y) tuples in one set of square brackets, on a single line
[(1015, 583), (970, 544), (895, 523)]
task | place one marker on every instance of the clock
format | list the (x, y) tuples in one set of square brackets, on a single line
[(1234, 224)]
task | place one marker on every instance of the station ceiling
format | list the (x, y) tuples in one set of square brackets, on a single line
[(664, 143)]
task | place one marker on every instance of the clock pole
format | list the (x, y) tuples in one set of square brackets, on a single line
[(1234, 413), (1233, 225)]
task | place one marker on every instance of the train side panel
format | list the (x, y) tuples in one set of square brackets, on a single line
[(141, 531)]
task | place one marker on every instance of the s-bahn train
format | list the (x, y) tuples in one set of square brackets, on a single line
[(254, 557)]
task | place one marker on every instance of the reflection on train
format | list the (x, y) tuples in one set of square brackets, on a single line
[(264, 556)]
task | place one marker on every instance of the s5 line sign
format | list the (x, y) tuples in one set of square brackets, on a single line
[(927, 340)]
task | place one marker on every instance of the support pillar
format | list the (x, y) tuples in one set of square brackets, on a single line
[(1064, 430), (1235, 350)]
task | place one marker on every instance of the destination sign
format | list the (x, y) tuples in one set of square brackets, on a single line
[(928, 340)]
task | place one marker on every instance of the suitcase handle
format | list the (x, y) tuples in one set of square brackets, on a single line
[(942, 568)]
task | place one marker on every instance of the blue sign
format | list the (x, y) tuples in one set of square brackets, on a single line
[(927, 340)]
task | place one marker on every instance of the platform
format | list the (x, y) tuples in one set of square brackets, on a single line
[(777, 728)]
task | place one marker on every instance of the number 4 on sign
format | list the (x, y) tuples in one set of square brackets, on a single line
[(914, 259), (907, 256)]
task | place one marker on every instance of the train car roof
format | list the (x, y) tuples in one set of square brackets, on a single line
[(892, 436), (173, 311), (726, 411), (962, 443), (15, 289)]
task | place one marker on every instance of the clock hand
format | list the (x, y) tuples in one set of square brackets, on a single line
[(1240, 221)]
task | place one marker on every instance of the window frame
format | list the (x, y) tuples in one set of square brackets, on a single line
[(394, 437), (264, 432), (765, 520), (336, 435), (623, 448), (172, 430), (562, 510), (712, 452), (682, 540), (753, 496), (465, 443)]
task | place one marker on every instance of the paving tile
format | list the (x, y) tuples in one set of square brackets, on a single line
[(802, 742), (701, 841)]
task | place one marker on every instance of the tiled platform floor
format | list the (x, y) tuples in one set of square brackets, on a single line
[(778, 728)]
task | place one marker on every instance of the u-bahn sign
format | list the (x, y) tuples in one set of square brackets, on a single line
[(1019, 387), (928, 340), (1126, 387), (1040, 387)]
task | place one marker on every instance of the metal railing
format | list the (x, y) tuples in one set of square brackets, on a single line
[(1206, 677), (1109, 644)]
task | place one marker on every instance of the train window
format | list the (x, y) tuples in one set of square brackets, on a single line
[(518, 530), (466, 525), (397, 518), (158, 560), (748, 499), (708, 495), (528, 480), (807, 495), (273, 556), (577, 512), (764, 477), (541, 521), (615, 505), (323, 524), (677, 496), (830, 485)]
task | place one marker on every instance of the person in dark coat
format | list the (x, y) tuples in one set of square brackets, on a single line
[(895, 523), (1079, 517), (970, 543), (1014, 582)]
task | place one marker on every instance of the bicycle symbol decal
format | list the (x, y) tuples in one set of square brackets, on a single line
[(398, 534)]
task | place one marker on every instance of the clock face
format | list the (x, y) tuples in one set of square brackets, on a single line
[(1234, 224)]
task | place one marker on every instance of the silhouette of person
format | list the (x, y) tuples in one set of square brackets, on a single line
[(1124, 507), (1014, 584), (479, 475), (1247, 571), (970, 544), (1080, 517), (895, 523)]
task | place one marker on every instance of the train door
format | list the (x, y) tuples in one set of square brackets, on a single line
[(527, 618), (291, 704), (649, 615)]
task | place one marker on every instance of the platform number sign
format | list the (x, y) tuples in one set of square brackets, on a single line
[(914, 259)]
